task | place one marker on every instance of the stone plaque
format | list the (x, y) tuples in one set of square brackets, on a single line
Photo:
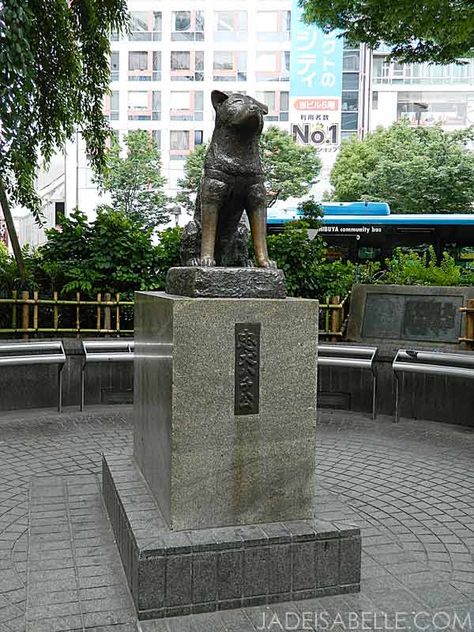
[(382, 317), (247, 368), (412, 317), (432, 318)]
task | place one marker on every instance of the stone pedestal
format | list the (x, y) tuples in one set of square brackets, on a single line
[(207, 463), (215, 507), (210, 282)]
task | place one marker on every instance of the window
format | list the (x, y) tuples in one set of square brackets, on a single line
[(350, 60), (187, 25), (139, 27), (138, 69), (182, 20), (156, 135), (375, 100), (114, 105), (429, 74), (138, 106), (156, 65), (345, 135), (273, 26), (187, 66), (284, 105), (450, 109), (273, 66), (350, 101), (350, 81), (230, 66), (198, 137), (114, 65), (278, 104), (137, 100), (138, 60), (223, 60), (230, 26), (180, 60), (156, 105), (186, 106), (349, 121), (269, 98), (179, 140), (145, 26), (182, 142), (157, 27)]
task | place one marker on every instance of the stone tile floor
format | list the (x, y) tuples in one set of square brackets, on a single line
[(409, 486)]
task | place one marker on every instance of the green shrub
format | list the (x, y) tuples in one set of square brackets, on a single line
[(411, 268)]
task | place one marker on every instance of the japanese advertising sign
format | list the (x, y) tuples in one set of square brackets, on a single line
[(315, 85)]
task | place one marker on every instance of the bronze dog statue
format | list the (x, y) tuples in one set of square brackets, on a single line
[(232, 183)]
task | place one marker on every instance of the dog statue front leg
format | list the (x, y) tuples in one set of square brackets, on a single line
[(258, 227), (208, 238)]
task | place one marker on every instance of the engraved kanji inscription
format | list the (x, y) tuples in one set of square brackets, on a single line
[(247, 368)]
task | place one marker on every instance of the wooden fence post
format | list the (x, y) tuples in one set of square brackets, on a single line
[(14, 309), (117, 313), (107, 314), (78, 312), (335, 317), (55, 311), (25, 315), (470, 324), (99, 301), (35, 311)]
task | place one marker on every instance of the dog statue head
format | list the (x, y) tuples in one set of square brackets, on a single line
[(234, 109)]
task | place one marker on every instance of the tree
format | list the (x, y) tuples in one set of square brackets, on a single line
[(54, 74), (289, 168), (135, 181), (420, 170), (440, 31), (192, 176)]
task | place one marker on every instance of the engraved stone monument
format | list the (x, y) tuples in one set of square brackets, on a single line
[(215, 507)]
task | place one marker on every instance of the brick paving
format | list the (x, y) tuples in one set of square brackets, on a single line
[(410, 487)]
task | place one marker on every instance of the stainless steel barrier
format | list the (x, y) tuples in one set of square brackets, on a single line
[(351, 357), (38, 352), (104, 351), (429, 362)]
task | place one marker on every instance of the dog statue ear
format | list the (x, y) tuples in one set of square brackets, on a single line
[(218, 97)]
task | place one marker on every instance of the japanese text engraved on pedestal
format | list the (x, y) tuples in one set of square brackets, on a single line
[(247, 368)]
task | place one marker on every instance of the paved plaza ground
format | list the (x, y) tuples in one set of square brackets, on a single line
[(410, 487)]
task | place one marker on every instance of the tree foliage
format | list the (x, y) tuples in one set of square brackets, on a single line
[(440, 31), (289, 168), (54, 73), (134, 180), (113, 254), (421, 170)]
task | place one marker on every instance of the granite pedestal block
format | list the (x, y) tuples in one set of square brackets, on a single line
[(207, 462), (175, 573), (214, 509), (210, 282)]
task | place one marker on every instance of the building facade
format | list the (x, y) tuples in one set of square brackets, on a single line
[(163, 72)]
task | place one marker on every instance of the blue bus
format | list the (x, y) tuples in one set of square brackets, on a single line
[(364, 231)]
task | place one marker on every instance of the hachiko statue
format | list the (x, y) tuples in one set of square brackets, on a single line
[(232, 183)]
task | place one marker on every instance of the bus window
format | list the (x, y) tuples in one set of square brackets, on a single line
[(420, 249), (336, 252), (465, 257), (369, 253)]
